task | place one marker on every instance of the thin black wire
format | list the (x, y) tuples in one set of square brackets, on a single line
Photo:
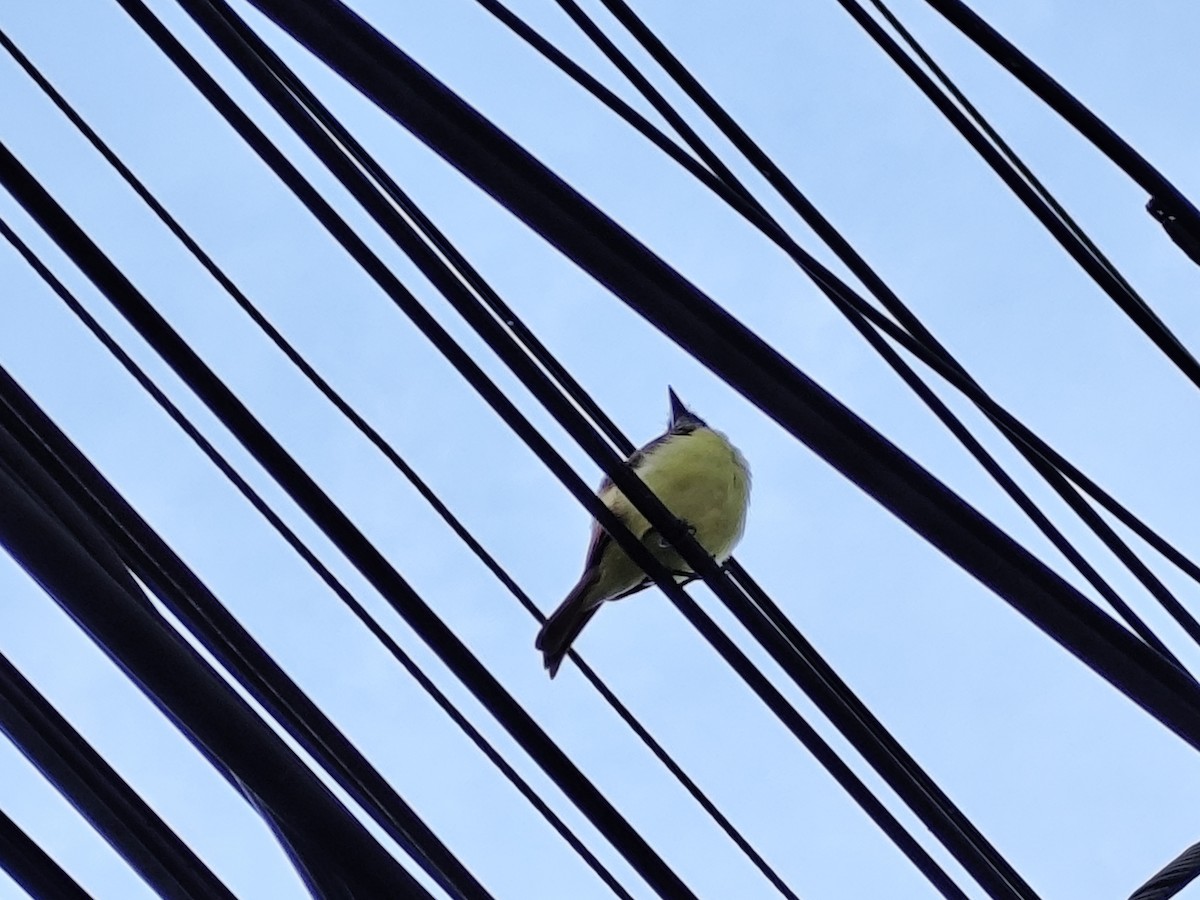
[(332, 762), (1168, 204), (373, 435), (840, 294), (1132, 304), (103, 797)]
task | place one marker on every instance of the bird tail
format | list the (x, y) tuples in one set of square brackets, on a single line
[(565, 623)]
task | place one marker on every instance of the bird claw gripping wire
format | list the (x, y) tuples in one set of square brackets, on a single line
[(1183, 230)]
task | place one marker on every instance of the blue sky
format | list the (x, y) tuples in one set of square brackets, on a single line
[(1084, 793)]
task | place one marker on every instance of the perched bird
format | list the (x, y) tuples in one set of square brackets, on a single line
[(701, 478)]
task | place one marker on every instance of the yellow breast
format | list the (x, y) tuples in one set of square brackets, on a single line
[(703, 480)]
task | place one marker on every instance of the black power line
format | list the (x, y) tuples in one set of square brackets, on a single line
[(106, 800), (56, 543), (33, 868), (1172, 878), (1177, 214)]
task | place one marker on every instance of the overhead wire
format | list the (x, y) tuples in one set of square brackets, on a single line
[(1172, 878), (381, 444), (148, 844), (32, 868), (1173, 210)]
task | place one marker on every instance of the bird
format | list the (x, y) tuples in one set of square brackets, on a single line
[(705, 483)]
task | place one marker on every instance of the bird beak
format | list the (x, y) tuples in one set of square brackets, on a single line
[(678, 410)]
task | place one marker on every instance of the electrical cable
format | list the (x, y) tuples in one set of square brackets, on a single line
[(164, 861), (39, 526), (32, 868), (1172, 878), (1174, 211)]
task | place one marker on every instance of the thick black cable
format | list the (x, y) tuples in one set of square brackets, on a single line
[(190, 600), (1172, 878), (39, 524), (1168, 204), (477, 148), (367, 558), (32, 868), (924, 346), (317, 504), (102, 796)]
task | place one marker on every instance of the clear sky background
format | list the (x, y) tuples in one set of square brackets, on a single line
[(1084, 793)]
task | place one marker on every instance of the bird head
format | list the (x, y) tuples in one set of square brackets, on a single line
[(683, 420)]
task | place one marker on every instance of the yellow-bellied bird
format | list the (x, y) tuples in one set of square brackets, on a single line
[(701, 478)]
